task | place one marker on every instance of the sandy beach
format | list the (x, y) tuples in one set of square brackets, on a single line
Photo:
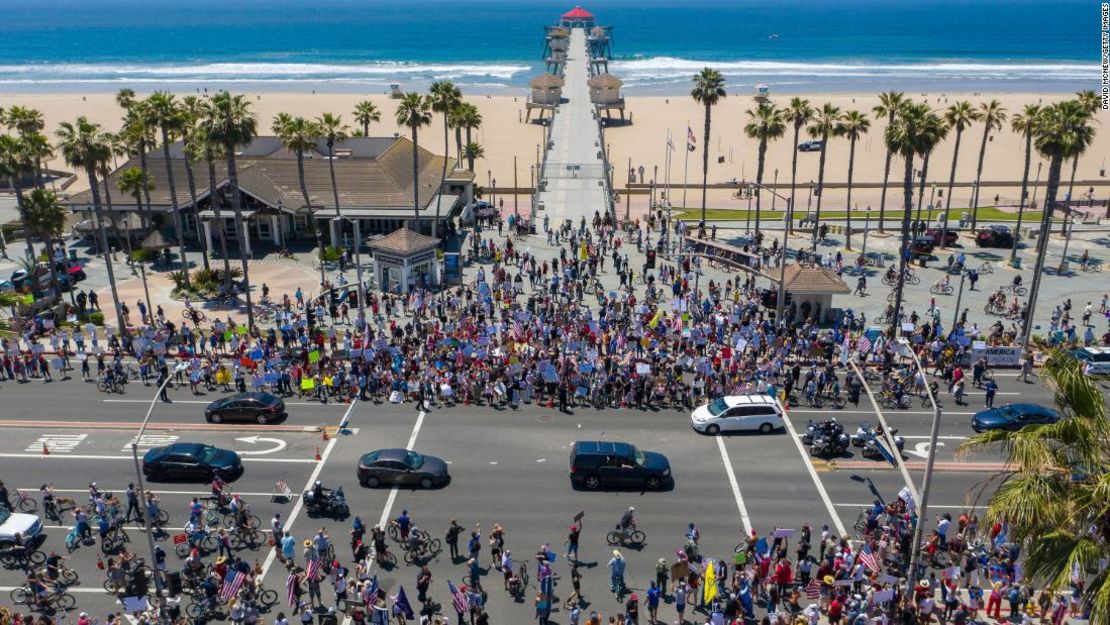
[(504, 135)]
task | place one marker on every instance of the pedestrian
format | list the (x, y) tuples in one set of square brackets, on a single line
[(452, 539), (661, 573), (617, 566), (134, 511), (653, 595), (990, 389), (680, 601), (572, 542)]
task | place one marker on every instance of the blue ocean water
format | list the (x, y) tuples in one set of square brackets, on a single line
[(793, 45)]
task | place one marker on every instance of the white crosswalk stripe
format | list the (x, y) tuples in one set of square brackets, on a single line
[(57, 443)]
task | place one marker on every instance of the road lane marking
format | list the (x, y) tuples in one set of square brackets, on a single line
[(155, 491), (869, 505), (206, 402), (134, 425), (834, 411), (393, 492), (117, 457), (806, 460), (254, 440), (57, 443), (735, 486), (150, 440)]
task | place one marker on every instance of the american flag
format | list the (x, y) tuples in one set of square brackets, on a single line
[(691, 140), (290, 590), (518, 330), (813, 589), (458, 599), (232, 584), (312, 571), (868, 558), (379, 616), (863, 345)]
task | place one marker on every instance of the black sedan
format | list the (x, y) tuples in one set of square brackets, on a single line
[(192, 461), (1013, 417), (261, 408), (401, 467), (995, 236)]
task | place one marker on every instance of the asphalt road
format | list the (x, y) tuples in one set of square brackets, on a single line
[(507, 467)]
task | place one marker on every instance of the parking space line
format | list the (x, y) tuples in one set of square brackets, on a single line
[(735, 486), (806, 460)]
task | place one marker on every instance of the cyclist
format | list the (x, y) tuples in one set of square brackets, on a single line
[(38, 590), (403, 523), (152, 511), (54, 566), (415, 541), (217, 487), (377, 536)]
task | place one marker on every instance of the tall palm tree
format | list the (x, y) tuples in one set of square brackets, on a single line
[(138, 133), (191, 109), (125, 98), (1053, 495), (852, 126), (454, 121), (332, 129), (799, 113), (366, 113), (203, 148), (1090, 102), (890, 102), (29, 123), (130, 182), (709, 89), (906, 137), (993, 115), (824, 124), (1056, 137), (84, 146), (414, 111), (1024, 123), (231, 123), (469, 119), (165, 113), (445, 97), (474, 151), (958, 116), (298, 135), (46, 219), (766, 123), (14, 164)]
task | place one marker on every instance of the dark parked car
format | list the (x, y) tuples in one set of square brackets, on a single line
[(194, 461), (950, 237), (813, 145), (922, 246), (995, 236), (606, 464), (261, 408), (401, 467), (1013, 417)]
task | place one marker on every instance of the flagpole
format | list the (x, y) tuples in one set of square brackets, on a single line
[(686, 166), (670, 148)]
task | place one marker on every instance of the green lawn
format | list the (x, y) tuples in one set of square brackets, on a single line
[(986, 213)]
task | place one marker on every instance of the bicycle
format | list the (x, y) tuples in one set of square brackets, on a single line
[(250, 538), (522, 573), (1091, 266), (206, 543), (423, 551), (57, 599), (1018, 290), (386, 559), (24, 502), (986, 267), (626, 538), (66, 576), (204, 608), (21, 557), (115, 386), (941, 289), (837, 401)]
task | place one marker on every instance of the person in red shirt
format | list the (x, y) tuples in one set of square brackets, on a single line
[(836, 611)]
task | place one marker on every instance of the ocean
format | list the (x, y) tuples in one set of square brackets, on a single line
[(494, 46)]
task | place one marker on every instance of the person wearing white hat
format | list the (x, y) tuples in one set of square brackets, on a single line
[(617, 567)]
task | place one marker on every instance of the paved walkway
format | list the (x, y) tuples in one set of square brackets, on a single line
[(574, 170)]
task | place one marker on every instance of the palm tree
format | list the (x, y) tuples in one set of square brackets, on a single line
[(130, 182), (445, 98), (958, 117), (474, 151), (298, 134), (1090, 102), (191, 109), (414, 111), (138, 133), (165, 113), (1024, 123), (1053, 494), (993, 115), (709, 89), (454, 119), (29, 123), (824, 125), (84, 146), (1056, 138), (231, 123), (367, 113), (125, 98), (46, 218), (799, 113), (852, 126), (890, 103), (14, 164), (766, 123), (469, 119), (332, 129), (204, 148)]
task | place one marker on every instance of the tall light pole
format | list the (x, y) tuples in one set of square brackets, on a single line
[(929, 460), (866, 227), (959, 298)]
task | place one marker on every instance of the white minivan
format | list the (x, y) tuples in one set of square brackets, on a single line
[(738, 413)]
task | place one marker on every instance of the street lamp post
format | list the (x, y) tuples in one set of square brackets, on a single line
[(142, 487), (748, 218), (146, 291), (959, 298), (1069, 227), (493, 194), (1036, 183), (776, 185), (866, 227), (929, 460)]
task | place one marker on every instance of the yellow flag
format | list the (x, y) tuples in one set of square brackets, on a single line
[(655, 320), (709, 589)]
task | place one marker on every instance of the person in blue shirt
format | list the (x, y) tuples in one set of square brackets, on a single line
[(653, 595), (403, 524)]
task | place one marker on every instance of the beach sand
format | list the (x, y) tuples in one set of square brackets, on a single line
[(503, 136)]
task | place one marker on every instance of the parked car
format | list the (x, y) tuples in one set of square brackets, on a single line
[(995, 236), (608, 464), (813, 145), (922, 246), (195, 461), (401, 467), (1096, 359), (951, 237), (28, 526), (738, 413), (1013, 417), (261, 408)]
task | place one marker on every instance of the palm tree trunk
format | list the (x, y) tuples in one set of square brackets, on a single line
[(820, 187), (366, 128), (443, 175), (38, 174), (469, 156), (94, 187), (1052, 187), (848, 208), (978, 178), (19, 202), (115, 226), (415, 185), (146, 184), (458, 144), (793, 182), (921, 183), (903, 257), (177, 221), (951, 183), (705, 164), (759, 182), (311, 217), (1024, 188), (886, 175), (193, 197), (240, 229), (214, 198), (1071, 186)]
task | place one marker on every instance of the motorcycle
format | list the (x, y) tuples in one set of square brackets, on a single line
[(866, 436), (830, 444), (330, 503), (815, 429), (871, 449)]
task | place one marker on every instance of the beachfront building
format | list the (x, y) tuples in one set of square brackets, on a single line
[(547, 92), (598, 42), (373, 178), (405, 259), (605, 95), (555, 49), (811, 289), (577, 18)]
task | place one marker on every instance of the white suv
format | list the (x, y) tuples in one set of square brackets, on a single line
[(737, 413)]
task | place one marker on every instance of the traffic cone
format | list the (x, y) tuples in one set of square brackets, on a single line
[(99, 562), (550, 401), (317, 453), (45, 449), (324, 436)]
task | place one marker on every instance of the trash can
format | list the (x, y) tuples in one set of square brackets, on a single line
[(1016, 264), (73, 254), (921, 260)]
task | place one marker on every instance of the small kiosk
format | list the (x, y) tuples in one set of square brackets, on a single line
[(404, 259)]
